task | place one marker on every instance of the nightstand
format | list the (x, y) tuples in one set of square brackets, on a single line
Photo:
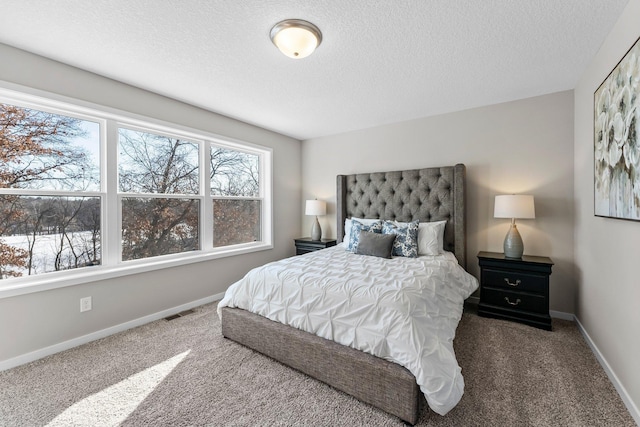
[(305, 245), (515, 289)]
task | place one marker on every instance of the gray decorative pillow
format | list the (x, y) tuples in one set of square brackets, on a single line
[(375, 244)]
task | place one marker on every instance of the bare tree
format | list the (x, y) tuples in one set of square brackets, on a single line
[(89, 219), (151, 163), (235, 174), (68, 254), (37, 212), (157, 164)]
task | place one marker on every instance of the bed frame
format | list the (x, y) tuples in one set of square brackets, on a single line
[(430, 194)]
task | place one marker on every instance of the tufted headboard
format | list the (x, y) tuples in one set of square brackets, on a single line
[(430, 194)]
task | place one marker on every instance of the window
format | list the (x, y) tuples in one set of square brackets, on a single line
[(50, 200), (84, 188), (235, 189), (152, 170)]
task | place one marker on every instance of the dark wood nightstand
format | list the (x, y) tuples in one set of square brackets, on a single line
[(305, 245), (515, 289)]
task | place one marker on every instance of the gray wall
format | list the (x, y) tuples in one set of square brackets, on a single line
[(34, 321), (607, 250), (524, 146)]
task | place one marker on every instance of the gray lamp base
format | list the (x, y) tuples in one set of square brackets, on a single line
[(513, 246), (316, 231)]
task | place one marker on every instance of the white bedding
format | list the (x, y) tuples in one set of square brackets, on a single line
[(404, 310)]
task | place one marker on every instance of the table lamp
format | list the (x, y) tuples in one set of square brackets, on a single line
[(514, 206), (316, 207)]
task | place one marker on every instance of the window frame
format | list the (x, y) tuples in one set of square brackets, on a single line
[(212, 198), (110, 120)]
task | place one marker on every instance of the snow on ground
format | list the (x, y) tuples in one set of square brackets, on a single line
[(47, 246)]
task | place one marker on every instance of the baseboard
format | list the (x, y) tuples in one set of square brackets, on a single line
[(624, 395), (562, 315), (56, 348)]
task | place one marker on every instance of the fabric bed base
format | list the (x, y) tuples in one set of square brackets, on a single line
[(385, 385)]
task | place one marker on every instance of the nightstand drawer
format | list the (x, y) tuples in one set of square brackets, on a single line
[(510, 280), (301, 250), (305, 245), (515, 300)]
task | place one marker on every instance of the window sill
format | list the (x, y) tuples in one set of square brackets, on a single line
[(56, 280)]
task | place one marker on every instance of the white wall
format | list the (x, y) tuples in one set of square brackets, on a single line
[(524, 146), (34, 321), (607, 250)]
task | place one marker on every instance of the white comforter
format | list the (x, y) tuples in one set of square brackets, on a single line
[(404, 310)]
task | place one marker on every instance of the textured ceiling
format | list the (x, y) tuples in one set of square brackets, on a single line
[(379, 62)]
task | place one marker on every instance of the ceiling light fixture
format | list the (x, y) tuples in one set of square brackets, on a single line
[(296, 38)]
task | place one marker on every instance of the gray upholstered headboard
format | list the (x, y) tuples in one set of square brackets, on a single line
[(430, 194)]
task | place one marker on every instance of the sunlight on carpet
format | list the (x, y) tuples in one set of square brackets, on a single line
[(114, 404)]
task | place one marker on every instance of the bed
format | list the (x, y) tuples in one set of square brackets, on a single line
[(427, 195)]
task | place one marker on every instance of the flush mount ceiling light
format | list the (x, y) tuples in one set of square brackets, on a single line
[(296, 38)]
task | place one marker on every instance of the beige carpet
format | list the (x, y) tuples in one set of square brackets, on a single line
[(183, 373)]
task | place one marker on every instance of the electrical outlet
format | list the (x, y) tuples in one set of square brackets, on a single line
[(85, 304)]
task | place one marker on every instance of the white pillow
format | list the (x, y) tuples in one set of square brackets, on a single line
[(431, 238), (347, 226)]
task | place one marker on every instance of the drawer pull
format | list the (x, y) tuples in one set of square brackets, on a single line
[(512, 303), (512, 284)]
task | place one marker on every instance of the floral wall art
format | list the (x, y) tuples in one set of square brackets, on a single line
[(617, 149)]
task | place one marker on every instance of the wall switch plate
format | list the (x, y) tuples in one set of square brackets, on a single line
[(85, 304)]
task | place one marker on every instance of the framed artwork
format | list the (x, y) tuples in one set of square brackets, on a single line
[(616, 145)]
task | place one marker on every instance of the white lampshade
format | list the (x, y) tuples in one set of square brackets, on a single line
[(296, 38), (514, 206), (315, 207)]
